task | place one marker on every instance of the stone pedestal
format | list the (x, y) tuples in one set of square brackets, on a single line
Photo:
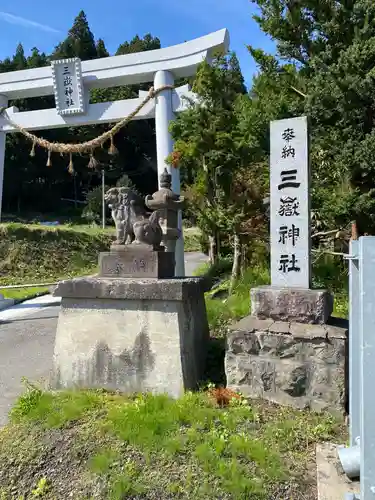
[(288, 351), (136, 261), (132, 335)]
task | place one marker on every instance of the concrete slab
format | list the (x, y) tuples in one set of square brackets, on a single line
[(332, 482), (28, 307), (5, 303)]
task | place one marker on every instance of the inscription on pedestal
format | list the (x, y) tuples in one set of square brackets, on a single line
[(117, 266), (136, 263)]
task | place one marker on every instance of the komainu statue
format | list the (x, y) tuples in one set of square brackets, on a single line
[(127, 208), (149, 232), (131, 219)]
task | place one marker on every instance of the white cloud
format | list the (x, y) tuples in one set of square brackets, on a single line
[(21, 21)]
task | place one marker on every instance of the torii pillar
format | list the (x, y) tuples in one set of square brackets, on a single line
[(164, 114), (3, 103)]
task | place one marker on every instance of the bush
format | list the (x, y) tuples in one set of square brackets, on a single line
[(124, 181), (92, 211), (330, 272)]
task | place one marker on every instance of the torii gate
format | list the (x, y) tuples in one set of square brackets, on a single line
[(162, 66)]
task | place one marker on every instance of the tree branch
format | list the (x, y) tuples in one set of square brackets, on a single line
[(299, 92), (321, 252), (325, 233)]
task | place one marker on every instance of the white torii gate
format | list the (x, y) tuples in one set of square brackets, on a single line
[(162, 66)]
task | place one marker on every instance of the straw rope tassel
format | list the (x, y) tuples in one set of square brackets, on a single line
[(71, 166), (112, 148), (32, 152), (92, 163), (49, 162)]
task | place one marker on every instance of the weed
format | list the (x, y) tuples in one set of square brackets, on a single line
[(221, 312), (160, 447), (55, 412), (41, 488), (28, 401)]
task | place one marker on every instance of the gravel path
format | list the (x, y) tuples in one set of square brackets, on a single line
[(27, 336)]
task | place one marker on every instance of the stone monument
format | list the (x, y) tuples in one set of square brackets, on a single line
[(134, 327), (288, 350)]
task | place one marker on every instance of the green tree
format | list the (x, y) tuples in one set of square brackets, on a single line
[(28, 183), (19, 59), (101, 50), (213, 156), (332, 45), (80, 41), (137, 44), (37, 59)]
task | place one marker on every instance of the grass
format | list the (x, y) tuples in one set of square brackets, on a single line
[(192, 239), (222, 311), (94, 444), (32, 253), (20, 294), (237, 305), (38, 254), (329, 274), (99, 445)]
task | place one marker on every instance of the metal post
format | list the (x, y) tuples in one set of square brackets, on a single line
[(354, 344), (103, 200), (367, 366)]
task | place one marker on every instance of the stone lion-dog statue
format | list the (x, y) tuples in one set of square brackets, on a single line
[(131, 219)]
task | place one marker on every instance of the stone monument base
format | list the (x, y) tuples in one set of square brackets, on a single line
[(289, 350), (131, 335), (295, 364), (303, 305)]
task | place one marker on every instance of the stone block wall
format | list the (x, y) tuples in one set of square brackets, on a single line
[(297, 364)]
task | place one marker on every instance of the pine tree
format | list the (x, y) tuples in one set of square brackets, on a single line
[(19, 59), (212, 156), (28, 183), (138, 44), (332, 47), (37, 59), (101, 50), (80, 41)]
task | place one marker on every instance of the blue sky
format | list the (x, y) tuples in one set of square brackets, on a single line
[(44, 23)]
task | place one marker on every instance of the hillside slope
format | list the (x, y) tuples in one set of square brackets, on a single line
[(32, 253)]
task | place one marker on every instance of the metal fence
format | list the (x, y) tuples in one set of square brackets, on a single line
[(358, 460)]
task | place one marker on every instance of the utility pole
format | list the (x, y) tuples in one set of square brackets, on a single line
[(103, 200), (75, 189)]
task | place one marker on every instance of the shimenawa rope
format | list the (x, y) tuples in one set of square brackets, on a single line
[(88, 146)]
